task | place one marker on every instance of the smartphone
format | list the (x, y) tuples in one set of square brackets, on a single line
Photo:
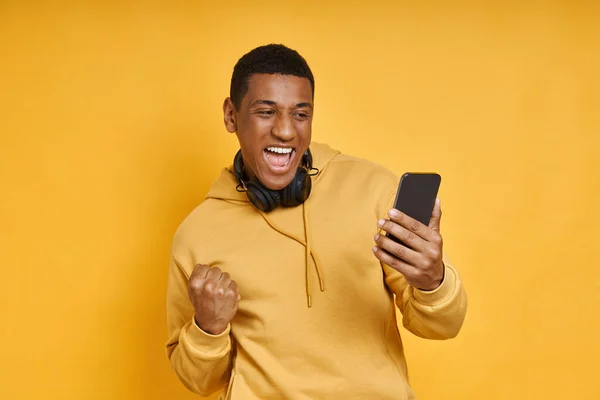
[(416, 196)]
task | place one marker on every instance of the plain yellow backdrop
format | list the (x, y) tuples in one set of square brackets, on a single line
[(111, 132)]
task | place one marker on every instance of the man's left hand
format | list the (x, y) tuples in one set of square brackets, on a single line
[(421, 263)]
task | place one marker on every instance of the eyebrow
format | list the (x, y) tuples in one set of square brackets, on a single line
[(272, 103), (265, 102)]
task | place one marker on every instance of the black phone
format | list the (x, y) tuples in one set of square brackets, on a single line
[(416, 196)]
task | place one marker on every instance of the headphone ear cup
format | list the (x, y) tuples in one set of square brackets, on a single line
[(298, 190), (238, 166), (261, 197)]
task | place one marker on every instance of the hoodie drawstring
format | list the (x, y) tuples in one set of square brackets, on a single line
[(308, 252)]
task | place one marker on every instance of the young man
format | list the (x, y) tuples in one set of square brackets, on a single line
[(281, 282)]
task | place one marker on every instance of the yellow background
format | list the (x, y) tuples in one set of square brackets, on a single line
[(111, 132)]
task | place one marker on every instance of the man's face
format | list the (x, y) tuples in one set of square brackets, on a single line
[(273, 126)]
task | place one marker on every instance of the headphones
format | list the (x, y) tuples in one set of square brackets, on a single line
[(266, 199)]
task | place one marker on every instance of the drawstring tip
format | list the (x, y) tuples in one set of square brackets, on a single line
[(322, 285), (309, 299)]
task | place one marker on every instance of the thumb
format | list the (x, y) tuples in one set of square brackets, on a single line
[(436, 216)]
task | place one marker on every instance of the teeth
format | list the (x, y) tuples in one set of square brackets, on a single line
[(280, 150)]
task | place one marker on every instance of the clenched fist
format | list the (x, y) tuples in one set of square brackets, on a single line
[(214, 296)]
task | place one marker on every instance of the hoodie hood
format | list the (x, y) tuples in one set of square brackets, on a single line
[(225, 188)]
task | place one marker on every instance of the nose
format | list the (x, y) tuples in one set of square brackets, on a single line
[(283, 128)]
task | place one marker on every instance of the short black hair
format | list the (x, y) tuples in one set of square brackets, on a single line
[(268, 59)]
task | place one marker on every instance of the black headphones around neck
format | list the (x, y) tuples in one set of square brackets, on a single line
[(266, 199)]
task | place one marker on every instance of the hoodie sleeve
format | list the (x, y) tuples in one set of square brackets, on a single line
[(200, 360), (436, 314)]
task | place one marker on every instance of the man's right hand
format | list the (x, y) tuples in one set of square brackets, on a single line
[(214, 296)]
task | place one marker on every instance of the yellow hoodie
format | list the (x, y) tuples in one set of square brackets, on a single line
[(316, 319)]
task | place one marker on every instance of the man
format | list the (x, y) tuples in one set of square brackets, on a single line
[(282, 283)]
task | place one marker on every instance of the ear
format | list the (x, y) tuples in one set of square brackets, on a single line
[(229, 116)]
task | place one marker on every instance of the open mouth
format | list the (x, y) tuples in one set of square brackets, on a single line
[(278, 158)]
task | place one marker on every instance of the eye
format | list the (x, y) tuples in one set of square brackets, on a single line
[(302, 115), (266, 112)]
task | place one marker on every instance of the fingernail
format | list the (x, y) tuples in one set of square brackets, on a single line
[(377, 236), (394, 213), (380, 222), (374, 249)]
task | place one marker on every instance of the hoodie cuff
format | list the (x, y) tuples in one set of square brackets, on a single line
[(440, 294), (206, 344)]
